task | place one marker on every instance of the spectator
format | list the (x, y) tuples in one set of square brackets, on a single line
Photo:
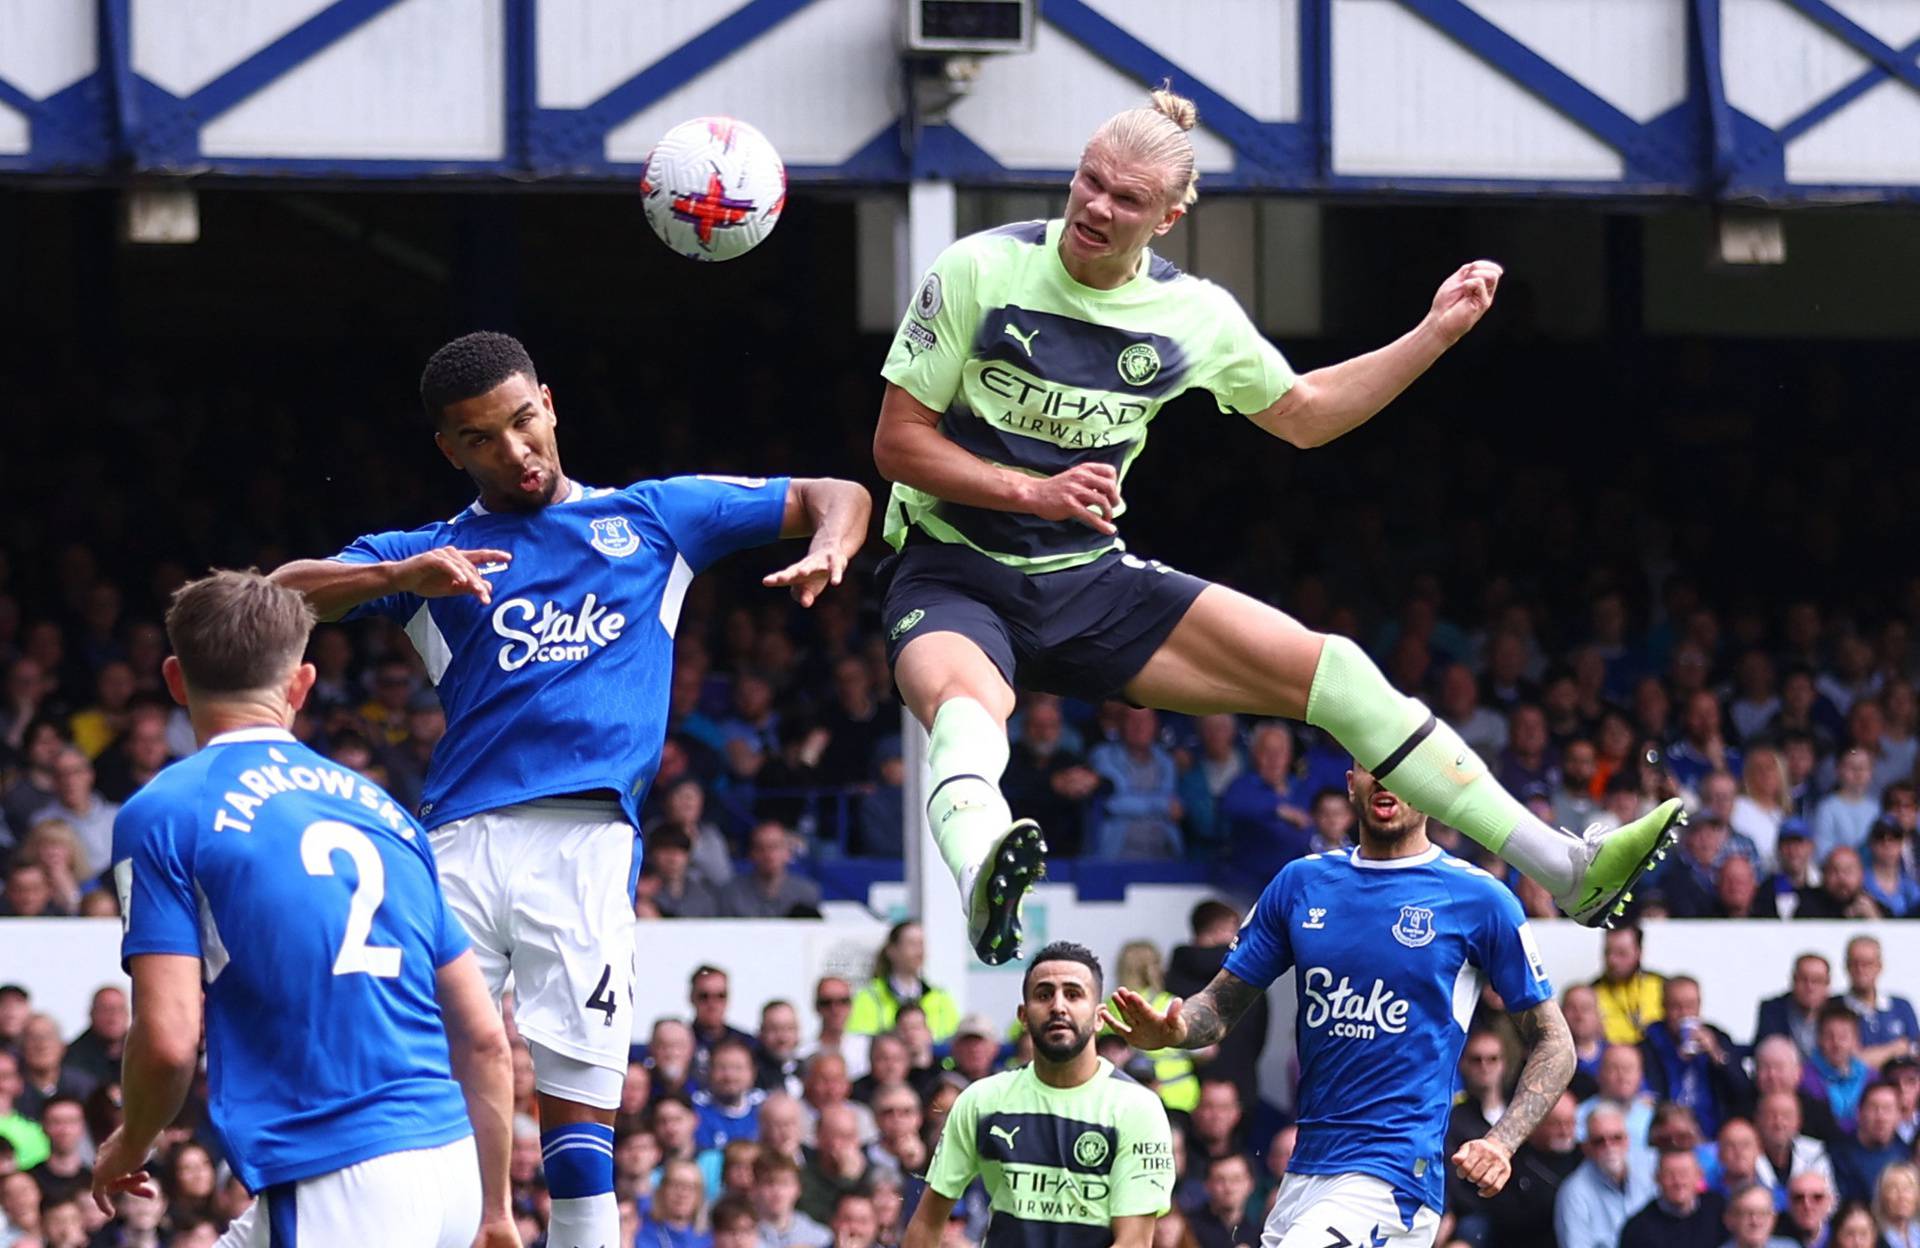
[(732, 1223), (1887, 878), (670, 1057), (1866, 729), (1521, 1216), (139, 755), (1047, 779), (35, 789), (777, 1050), (385, 713), (1796, 874), (1834, 1069), (975, 1047), (708, 991), (783, 1128), (1750, 1221), (669, 884), (1756, 700), (854, 723), (1842, 817), (20, 1209), (1222, 1222), (1737, 1156), (1785, 1153), (1853, 1227), (1622, 1085), (1896, 1205), (1333, 822), (52, 846), (16, 1007), (1214, 1129), (1574, 803), (855, 1224), (1478, 1105), (1600, 1195), (636, 1155), (837, 1163), (784, 783), (96, 727), (1762, 802), (890, 1206), (897, 980), (1888, 1028), (728, 1108), (24, 1135), (1904, 1074), (710, 858), (1689, 878), (769, 891), (776, 1192), (1265, 809), (1793, 1013), (1140, 969), (1528, 762), (1217, 764), (832, 1008), (675, 1123), (1804, 712), (1681, 1216), (887, 1062), (42, 1055), (80, 805), (1797, 753), (28, 894), (824, 1086), (672, 1221), (1737, 892), (896, 1108), (64, 1172), (1873, 1146), (1629, 996), (1481, 727), (1779, 1068), (1142, 814), (1842, 893), (1192, 967), (881, 811)]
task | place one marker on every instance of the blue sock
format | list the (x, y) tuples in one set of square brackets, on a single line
[(579, 1164)]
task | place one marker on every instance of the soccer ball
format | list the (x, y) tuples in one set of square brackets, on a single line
[(713, 188)]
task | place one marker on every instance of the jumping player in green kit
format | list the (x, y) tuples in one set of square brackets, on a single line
[(1020, 387)]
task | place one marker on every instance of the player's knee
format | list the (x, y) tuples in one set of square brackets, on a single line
[(570, 1079), (995, 698)]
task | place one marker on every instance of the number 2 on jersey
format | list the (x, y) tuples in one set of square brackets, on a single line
[(317, 846)]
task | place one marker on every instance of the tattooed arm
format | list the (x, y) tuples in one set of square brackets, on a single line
[(1487, 1162), (1198, 1021)]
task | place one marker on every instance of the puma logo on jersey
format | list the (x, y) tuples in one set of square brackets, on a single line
[(1025, 340), (553, 634), (1004, 1135)]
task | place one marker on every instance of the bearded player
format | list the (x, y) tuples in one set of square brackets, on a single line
[(545, 614), (1390, 942), (1020, 387)]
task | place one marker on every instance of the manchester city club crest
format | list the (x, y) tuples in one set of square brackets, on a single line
[(612, 536), (1090, 1149), (1414, 927), (1139, 364)]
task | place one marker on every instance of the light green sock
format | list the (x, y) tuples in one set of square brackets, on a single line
[(967, 752), (1437, 774)]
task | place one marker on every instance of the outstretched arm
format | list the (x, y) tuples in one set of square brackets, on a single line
[(1328, 402), (835, 512), (1194, 1023), (333, 587), (1488, 1161)]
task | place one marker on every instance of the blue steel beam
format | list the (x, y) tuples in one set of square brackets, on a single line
[(1860, 39)]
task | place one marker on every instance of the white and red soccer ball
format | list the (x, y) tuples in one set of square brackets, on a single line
[(713, 188)]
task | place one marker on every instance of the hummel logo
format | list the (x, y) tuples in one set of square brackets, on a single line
[(1316, 916), (1025, 340), (1001, 1133)]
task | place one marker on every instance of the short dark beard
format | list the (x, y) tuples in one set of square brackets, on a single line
[(1059, 1056)]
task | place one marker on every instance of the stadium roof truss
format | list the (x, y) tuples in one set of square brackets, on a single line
[(1364, 96)]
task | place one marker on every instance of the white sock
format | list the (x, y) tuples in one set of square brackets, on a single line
[(585, 1222), (967, 753)]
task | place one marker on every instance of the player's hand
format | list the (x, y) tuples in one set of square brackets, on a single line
[(446, 572), (497, 1231), (810, 576), (1085, 493), (1144, 1027), (1485, 1163), (116, 1168), (1464, 298)]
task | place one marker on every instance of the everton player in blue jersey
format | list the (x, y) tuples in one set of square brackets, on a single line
[(307, 904), (1389, 943), (545, 614)]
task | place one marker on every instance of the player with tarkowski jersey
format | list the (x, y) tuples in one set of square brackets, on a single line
[(545, 615), (1389, 943), (1020, 387), (307, 903)]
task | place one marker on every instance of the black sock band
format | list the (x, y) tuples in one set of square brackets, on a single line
[(1407, 747)]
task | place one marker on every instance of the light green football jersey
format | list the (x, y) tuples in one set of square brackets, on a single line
[(1033, 371), (1060, 1164)]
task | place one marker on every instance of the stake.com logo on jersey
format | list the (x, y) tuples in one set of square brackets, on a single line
[(553, 634), (1345, 1012)]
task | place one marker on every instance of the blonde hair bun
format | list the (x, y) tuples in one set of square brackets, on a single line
[(1175, 108)]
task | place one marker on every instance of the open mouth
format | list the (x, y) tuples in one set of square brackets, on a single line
[(1087, 234), (532, 479), (1384, 806)]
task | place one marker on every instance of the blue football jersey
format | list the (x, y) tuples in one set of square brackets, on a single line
[(1389, 957), (561, 685), (312, 902)]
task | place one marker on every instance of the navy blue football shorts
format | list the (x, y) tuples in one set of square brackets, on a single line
[(1083, 632)]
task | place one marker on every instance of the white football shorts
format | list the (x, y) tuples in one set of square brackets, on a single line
[(545, 892), (421, 1198), (1315, 1211)]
